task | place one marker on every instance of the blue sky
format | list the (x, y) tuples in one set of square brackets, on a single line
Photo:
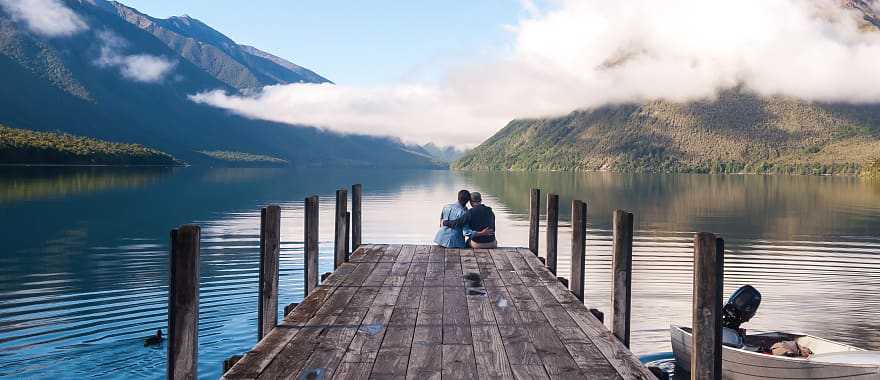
[(358, 42)]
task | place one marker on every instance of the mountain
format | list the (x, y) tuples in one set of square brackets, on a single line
[(737, 132), (113, 80), (240, 66), (443, 153)]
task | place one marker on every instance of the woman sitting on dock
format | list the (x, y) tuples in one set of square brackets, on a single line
[(450, 237)]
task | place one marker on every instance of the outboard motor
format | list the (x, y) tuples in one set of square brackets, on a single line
[(742, 306)]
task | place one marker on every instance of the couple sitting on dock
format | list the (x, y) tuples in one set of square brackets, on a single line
[(458, 223)]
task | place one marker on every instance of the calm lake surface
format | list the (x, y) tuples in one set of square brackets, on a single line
[(84, 252)]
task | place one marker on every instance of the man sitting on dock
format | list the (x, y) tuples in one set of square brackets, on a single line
[(479, 218), (449, 237)]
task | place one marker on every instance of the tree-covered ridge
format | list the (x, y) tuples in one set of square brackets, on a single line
[(21, 146), (243, 158), (737, 132)]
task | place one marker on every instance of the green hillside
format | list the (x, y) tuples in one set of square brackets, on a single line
[(737, 132), (21, 146), (56, 84)]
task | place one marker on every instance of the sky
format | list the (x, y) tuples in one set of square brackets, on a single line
[(357, 42)]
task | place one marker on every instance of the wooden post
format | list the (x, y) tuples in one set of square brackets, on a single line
[(270, 249), (534, 219), (311, 244), (708, 287), (578, 247), (347, 235), (290, 307), (621, 286), (339, 237), (552, 230), (230, 362), (183, 303), (357, 192)]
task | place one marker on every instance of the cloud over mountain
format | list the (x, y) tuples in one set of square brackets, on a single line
[(137, 67), (49, 18), (583, 54)]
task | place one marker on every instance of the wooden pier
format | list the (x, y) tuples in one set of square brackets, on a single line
[(426, 312)]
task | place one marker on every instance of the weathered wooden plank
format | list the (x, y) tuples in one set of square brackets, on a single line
[(425, 361), (183, 303), (529, 372), (552, 231), (582, 350), (311, 237), (627, 364), (335, 341), (458, 362), (708, 287), (270, 249), (255, 361), (357, 191), (427, 341), (393, 357), (621, 275), (578, 247), (293, 356), (556, 359), (534, 219), (456, 327), (489, 353), (353, 371), (367, 340)]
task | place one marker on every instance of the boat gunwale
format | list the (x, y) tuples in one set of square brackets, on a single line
[(786, 358)]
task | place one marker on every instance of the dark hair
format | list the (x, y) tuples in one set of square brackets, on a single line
[(464, 196)]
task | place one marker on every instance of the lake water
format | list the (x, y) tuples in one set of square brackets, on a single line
[(84, 257)]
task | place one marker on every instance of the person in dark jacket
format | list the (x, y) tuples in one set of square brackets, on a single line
[(481, 220)]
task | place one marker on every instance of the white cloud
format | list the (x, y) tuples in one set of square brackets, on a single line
[(588, 53), (50, 18), (137, 67)]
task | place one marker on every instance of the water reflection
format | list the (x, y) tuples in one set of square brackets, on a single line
[(83, 271)]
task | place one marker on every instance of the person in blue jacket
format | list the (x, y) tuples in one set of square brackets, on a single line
[(454, 237)]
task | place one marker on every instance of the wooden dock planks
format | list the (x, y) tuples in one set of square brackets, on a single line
[(423, 312)]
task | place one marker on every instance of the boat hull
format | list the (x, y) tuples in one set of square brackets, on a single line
[(745, 365)]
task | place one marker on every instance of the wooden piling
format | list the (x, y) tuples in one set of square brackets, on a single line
[(183, 303), (622, 275), (578, 247), (311, 244), (357, 192), (270, 249), (552, 230), (290, 307), (708, 287), (339, 232), (534, 219), (347, 235), (230, 362)]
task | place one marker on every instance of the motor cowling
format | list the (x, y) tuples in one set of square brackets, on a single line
[(741, 307)]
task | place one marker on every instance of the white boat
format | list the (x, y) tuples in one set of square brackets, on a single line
[(830, 360)]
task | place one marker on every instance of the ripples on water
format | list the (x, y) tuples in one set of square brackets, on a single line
[(83, 271)]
